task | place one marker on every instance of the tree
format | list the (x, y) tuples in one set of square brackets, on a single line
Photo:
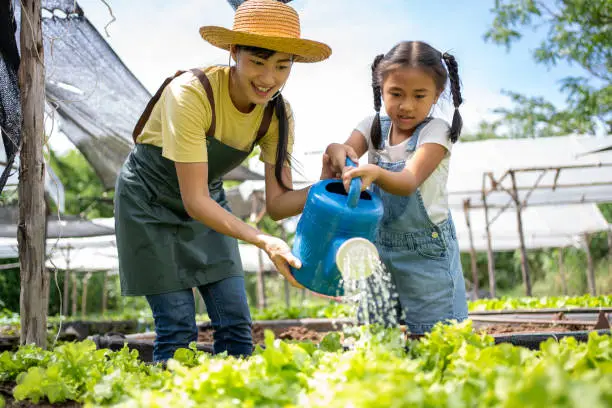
[(85, 194), (578, 32)]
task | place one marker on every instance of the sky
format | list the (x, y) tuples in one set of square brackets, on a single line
[(155, 38)]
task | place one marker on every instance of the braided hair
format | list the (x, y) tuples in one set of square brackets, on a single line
[(416, 54), (453, 75)]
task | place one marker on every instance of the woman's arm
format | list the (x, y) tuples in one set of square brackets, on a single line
[(282, 203), (193, 183)]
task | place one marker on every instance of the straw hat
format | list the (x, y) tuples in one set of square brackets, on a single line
[(267, 24)]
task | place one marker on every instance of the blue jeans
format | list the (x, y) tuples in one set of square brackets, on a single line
[(228, 309)]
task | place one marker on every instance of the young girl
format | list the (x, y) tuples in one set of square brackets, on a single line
[(173, 225), (408, 161)]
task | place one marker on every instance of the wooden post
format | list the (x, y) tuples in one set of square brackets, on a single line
[(201, 304), (466, 211), (104, 292), (74, 294), (31, 230), (261, 286), (590, 266), (285, 281), (490, 257), (519, 220), (66, 292), (287, 293), (84, 295), (610, 252), (562, 272)]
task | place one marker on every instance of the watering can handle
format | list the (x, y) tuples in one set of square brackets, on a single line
[(355, 189)]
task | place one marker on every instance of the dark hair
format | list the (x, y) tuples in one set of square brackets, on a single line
[(416, 54), (282, 154)]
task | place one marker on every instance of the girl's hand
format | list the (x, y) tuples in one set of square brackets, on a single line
[(280, 254), (336, 158), (369, 173)]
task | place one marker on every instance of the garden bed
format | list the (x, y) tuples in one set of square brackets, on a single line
[(314, 330)]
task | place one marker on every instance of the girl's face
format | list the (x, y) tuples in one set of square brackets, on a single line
[(408, 95), (257, 79)]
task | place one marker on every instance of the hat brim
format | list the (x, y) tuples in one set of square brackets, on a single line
[(303, 50)]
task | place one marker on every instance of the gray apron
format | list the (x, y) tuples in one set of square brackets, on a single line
[(161, 248)]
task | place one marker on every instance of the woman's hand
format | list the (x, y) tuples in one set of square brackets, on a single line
[(280, 254), (369, 173)]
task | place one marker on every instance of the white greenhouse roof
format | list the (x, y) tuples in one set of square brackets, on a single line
[(543, 226), (557, 167)]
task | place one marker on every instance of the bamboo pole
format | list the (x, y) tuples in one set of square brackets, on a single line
[(31, 230), (490, 257), (261, 285), (74, 294), (66, 288), (104, 292), (562, 272), (609, 252), (519, 220), (84, 294), (466, 211), (285, 281)]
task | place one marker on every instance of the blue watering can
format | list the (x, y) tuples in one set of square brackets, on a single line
[(333, 226)]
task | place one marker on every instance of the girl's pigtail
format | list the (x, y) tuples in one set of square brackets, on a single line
[(375, 131), (453, 74)]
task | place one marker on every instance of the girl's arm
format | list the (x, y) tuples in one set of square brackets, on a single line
[(193, 183), (427, 157)]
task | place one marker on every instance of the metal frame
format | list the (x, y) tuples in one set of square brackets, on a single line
[(488, 178)]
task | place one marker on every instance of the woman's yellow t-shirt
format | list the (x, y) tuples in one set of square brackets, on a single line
[(180, 119)]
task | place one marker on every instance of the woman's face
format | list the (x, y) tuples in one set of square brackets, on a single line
[(258, 78)]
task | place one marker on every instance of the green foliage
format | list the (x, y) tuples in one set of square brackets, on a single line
[(85, 194), (486, 130), (576, 32), (452, 366), (10, 282), (326, 310), (545, 302)]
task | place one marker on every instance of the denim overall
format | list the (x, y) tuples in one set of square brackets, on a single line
[(164, 253), (422, 257)]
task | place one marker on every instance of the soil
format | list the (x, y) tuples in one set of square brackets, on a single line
[(298, 333), (530, 328)]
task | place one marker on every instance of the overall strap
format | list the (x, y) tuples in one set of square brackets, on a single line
[(385, 126)]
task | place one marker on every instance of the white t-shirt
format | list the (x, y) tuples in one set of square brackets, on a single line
[(433, 190)]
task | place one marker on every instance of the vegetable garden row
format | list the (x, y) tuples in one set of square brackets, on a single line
[(313, 356)]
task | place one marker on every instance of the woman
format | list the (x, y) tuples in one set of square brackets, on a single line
[(174, 229)]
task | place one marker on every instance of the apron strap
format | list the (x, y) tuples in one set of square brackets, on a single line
[(265, 122), (147, 112), (211, 100)]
